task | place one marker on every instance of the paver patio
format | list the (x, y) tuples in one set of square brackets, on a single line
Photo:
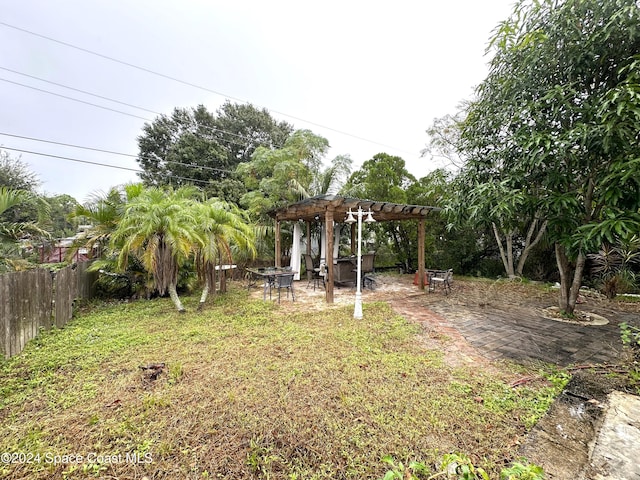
[(522, 333)]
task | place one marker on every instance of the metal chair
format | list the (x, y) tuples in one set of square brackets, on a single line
[(367, 262), (440, 277), (285, 281), (313, 272)]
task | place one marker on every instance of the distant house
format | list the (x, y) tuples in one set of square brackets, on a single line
[(57, 252)]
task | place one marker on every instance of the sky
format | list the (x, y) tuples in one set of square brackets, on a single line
[(370, 76)]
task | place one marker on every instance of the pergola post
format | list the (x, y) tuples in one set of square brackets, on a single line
[(308, 238), (278, 248), (421, 253), (328, 226)]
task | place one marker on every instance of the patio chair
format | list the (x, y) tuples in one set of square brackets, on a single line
[(285, 281), (313, 272), (367, 267), (440, 277)]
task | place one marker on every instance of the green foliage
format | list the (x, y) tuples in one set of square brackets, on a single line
[(15, 174), (386, 178), (60, 221), (194, 146), (383, 178), (520, 471), (630, 335), (614, 266), (557, 117), (17, 236), (398, 471), (159, 228), (275, 177), (457, 466)]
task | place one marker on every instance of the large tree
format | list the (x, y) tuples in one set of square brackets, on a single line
[(195, 146), (275, 177), (61, 221), (241, 128), (182, 149), (386, 178), (559, 116)]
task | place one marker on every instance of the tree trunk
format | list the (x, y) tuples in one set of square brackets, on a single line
[(209, 280), (174, 297), (205, 292), (510, 271), (507, 257), (528, 244), (569, 287)]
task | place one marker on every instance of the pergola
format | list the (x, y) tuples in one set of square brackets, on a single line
[(330, 208)]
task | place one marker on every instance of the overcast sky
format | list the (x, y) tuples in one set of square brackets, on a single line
[(369, 76)]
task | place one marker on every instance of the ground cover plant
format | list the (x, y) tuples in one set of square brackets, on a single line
[(250, 389)]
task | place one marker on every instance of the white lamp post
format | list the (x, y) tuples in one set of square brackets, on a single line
[(357, 311)]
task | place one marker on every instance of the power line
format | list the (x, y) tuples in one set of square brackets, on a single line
[(75, 99), (93, 149), (190, 84), (78, 90), (60, 157), (206, 127)]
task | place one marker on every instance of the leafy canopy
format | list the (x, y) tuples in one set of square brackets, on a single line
[(559, 115)]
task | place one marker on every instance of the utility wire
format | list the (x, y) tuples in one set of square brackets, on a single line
[(206, 127), (78, 90), (184, 82), (75, 99), (93, 149), (60, 157)]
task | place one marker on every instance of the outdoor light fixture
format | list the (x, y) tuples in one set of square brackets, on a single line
[(357, 311), (350, 218)]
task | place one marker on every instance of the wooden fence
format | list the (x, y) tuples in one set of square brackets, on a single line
[(37, 299)]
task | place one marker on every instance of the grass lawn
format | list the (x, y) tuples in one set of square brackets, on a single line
[(251, 389)]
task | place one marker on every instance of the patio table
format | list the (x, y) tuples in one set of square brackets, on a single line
[(223, 275), (269, 275)]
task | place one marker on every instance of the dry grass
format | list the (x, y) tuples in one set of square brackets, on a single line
[(251, 389)]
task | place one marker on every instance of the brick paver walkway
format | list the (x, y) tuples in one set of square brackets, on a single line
[(520, 334)]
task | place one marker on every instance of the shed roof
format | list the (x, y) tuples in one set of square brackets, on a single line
[(314, 208)]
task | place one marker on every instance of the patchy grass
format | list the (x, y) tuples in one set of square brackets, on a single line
[(627, 298), (250, 389)]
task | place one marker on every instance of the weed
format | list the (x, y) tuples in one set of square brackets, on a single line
[(457, 466), (522, 471), (631, 339)]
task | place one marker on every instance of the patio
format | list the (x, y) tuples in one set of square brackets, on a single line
[(484, 321)]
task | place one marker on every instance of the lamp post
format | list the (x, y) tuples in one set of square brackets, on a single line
[(357, 311)]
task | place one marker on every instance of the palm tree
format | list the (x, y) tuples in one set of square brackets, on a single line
[(103, 212), (224, 234), (11, 232), (158, 227)]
